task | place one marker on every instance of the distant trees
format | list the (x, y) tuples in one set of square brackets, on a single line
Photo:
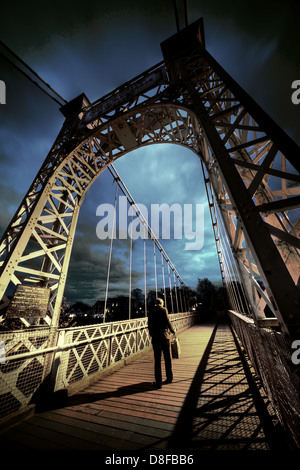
[(205, 292), (211, 298), (207, 298), (151, 298)]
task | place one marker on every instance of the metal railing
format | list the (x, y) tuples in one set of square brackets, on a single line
[(87, 351), (270, 355), (79, 354)]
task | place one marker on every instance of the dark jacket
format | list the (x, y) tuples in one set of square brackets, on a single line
[(159, 323)]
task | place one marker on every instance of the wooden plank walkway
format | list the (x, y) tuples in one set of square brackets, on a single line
[(209, 405)]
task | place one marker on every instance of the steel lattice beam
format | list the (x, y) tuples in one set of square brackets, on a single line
[(188, 99)]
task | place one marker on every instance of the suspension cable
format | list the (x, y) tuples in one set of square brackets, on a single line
[(130, 267), (110, 253), (63, 101), (224, 256), (235, 271), (163, 276), (180, 294), (213, 215), (175, 286), (145, 276), (227, 263), (186, 302), (151, 234), (232, 271), (120, 184), (155, 273), (172, 307)]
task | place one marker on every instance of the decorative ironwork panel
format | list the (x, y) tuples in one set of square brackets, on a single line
[(89, 350)]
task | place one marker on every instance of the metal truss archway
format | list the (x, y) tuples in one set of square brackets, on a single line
[(251, 170)]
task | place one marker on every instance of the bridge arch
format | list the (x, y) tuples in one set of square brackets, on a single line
[(162, 178), (158, 124), (42, 231), (37, 245)]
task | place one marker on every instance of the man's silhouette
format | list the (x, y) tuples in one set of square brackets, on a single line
[(160, 330)]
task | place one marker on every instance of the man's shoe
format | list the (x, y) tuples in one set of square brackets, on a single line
[(156, 385), (168, 381)]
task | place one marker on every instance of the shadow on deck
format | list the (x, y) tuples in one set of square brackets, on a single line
[(226, 408), (213, 404)]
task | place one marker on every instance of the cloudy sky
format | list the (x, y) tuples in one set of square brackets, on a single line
[(94, 47)]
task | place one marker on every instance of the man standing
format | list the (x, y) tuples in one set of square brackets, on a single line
[(160, 327)]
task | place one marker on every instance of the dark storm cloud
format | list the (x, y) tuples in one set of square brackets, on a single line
[(264, 67), (9, 199), (89, 270), (97, 48), (170, 174)]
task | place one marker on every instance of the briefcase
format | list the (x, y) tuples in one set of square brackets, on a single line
[(175, 348)]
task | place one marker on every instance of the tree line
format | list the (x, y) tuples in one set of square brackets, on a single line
[(207, 300)]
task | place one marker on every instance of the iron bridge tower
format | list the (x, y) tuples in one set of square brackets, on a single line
[(251, 169)]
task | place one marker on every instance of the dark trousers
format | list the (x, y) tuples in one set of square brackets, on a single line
[(162, 345)]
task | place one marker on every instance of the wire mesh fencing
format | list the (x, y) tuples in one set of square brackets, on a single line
[(270, 355), (22, 367)]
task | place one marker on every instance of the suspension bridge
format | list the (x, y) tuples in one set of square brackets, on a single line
[(236, 385)]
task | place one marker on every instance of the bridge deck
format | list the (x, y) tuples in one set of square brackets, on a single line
[(210, 405)]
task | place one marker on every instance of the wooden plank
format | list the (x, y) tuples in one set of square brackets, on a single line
[(169, 393), (136, 408), (57, 438), (14, 440), (69, 435), (88, 421), (31, 437), (142, 414), (161, 408), (112, 437)]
